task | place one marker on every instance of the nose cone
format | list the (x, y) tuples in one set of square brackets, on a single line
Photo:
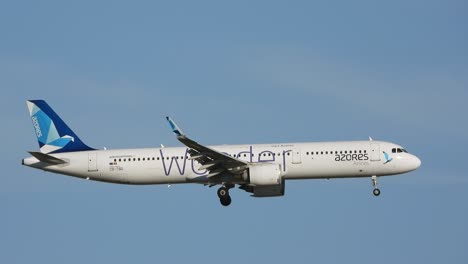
[(415, 162)]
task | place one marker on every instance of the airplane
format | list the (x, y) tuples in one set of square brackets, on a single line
[(259, 169)]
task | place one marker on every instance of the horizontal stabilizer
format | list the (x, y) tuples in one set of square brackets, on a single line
[(46, 158)]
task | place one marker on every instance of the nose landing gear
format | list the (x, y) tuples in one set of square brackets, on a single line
[(376, 190), (223, 194)]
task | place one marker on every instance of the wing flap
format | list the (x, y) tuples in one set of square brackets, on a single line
[(208, 165), (215, 172)]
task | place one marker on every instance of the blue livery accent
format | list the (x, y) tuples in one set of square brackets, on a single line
[(174, 127), (53, 135), (387, 157)]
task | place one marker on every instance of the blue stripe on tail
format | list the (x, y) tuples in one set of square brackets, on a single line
[(53, 135)]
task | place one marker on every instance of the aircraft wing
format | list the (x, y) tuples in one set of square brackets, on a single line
[(214, 161)]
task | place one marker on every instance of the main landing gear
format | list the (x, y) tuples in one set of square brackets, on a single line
[(223, 194), (376, 190)]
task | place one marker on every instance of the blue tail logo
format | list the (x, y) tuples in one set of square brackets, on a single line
[(53, 135), (387, 157)]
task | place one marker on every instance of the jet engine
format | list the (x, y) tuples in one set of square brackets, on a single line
[(265, 180)]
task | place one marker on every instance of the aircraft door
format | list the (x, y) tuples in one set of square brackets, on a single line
[(296, 156), (92, 161), (375, 152)]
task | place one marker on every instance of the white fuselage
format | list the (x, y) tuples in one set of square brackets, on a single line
[(173, 165)]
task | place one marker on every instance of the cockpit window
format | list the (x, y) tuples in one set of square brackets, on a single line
[(399, 150)]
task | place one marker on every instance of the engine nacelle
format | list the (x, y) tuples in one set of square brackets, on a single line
[(265, 180), (264, 174)]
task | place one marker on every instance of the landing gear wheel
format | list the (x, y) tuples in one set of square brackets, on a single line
[(222, 192), (225, 201), (376, 192)]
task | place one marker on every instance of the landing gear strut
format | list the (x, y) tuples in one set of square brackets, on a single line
[(376, 190), (223, 194)]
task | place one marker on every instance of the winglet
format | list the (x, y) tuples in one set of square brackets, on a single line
[(174, 127)]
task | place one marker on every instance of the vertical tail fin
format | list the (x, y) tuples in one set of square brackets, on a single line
[(53, 135)]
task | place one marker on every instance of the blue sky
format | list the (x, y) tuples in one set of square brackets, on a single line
[(237, 72)]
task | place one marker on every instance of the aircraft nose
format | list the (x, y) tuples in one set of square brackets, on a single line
[(415, 162)]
